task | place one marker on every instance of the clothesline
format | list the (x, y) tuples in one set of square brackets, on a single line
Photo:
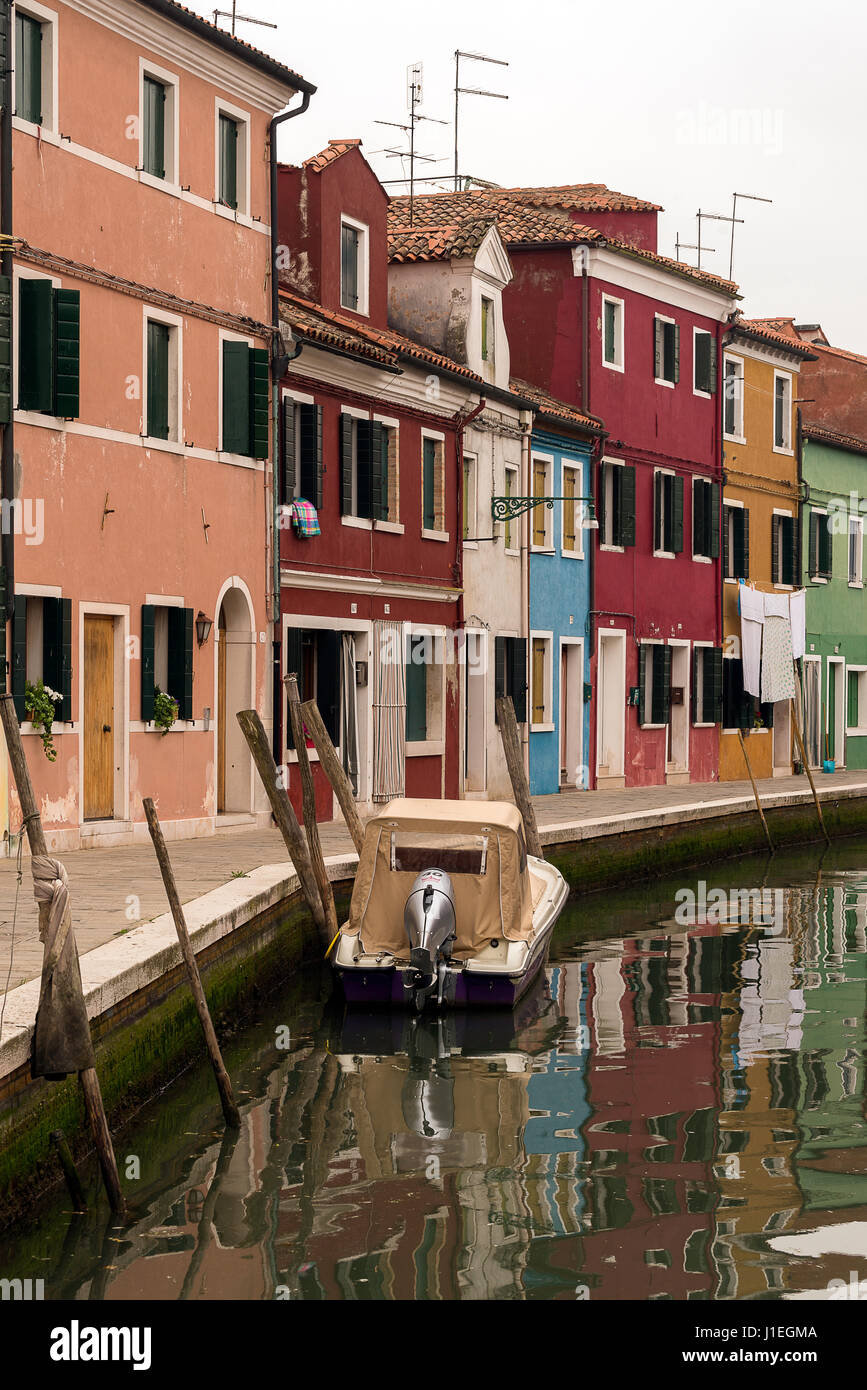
[(773, 637)]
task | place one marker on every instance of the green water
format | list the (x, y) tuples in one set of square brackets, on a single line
[(677, 1112)]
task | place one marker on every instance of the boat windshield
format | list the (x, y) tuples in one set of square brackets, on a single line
[(415, 851)]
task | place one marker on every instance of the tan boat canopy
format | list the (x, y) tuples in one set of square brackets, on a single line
[(479, 844)]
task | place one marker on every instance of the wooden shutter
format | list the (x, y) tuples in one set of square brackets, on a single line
[(676, 337), (328, 646), (320, 460), (713, 685), (287, 485), (429, 485), (776, 565), (345, 464), (260, 398), (789, 549), (569, 527), (658, 348), (661, 685), (67, 350), (158, 380), (697, 681), (713, 363), (3, 676), (825, 551), (677, 515), (19, 655), (714, 523), (378, 472), (726, 564), (364, 468), (28, 69), (5, 349), (148, 614), (154, 128), (701, 370), (416, 692), (537, 690), (745, 534), (36, 346), (500, 673), (294, 667), (236, 398), (700, 537), (64, 709), (307, 451), (348, 267), (517, 653), (814, 543), (600, 500), (642, 683), (658, 509), (625, 519), (57, 652), (228, 161), (180, 663)]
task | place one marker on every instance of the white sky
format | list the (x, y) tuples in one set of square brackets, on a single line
[(683, 104)]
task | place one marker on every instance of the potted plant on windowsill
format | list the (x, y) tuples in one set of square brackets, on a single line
[(39, 702), (165, 711)]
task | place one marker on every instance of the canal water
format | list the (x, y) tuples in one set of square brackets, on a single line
[(678, 1112)]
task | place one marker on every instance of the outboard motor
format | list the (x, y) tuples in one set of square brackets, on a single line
[(429, 922)]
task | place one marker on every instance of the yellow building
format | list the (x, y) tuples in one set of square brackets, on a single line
[(759, 526)]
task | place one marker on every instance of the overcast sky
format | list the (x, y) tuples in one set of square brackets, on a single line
[(683, 104)]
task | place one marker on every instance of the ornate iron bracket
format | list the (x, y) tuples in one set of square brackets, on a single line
[(507, 508)]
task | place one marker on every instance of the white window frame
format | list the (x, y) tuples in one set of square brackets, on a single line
[(515, 521), (242, 118), (425, 748), (50, 79), (860, 728), (547, 726), (785, 448), (618, 365), (663, 380), (175, 442), (702, 647), (728, 502), (661, 554), (426, 533), (858, 582), (172, 82), (732, 357), (363, 307), (577, 467), (537, 455), (472, 513), (696, 390)]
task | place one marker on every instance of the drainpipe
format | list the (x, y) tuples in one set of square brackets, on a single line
[(7, 458), (595, 452), (461, 421), (280, 360), (525, 578)]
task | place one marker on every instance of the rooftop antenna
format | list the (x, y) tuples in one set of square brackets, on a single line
[(414, 79), (471, 92), (754, 198), (244, 18), (688, 246), (711, 217)]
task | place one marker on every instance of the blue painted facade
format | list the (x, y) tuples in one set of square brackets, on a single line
[(559, 617)]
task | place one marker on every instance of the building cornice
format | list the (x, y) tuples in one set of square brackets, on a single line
[(367, 584)]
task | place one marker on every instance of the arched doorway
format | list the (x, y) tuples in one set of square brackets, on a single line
[(235, 674)]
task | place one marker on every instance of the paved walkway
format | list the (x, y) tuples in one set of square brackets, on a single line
[(114, 890)]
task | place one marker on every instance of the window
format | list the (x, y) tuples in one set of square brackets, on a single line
[(666, 351), (512, 537), (166, 657), (487, 329), (784, 550), (28, 68), (433, 485), (616, 504), (424, 685), (856, 700), (782, 412), (364, 465), (161, 375), (736, 542), (738, 706), (654, 684), (353, 265), (301, 452), (313, 656), (707, 675), (612, 332), (246, 397), (541, 648), (42, 650), (228, 186), (705, 518), (668, 513), (571, 537), (470, 496), (510, 673), (154, 128), (704, 361), (49, 341), (542, 515), (856, 552), (820, 545), (733, 398)]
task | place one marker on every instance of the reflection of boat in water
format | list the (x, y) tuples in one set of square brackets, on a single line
[(448, 907)]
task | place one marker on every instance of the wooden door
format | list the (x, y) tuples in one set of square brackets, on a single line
[(564, 716), (99, 734), (221, 713)]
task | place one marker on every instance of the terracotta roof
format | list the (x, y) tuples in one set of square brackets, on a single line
[(437, 243), (576, 197), (214, 34), (383, 345), (787, 328), (550, 405), (836, 438), (333, 150), (759, 330)]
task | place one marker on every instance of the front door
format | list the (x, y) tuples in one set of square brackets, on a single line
[(98, 717), (571, 715)]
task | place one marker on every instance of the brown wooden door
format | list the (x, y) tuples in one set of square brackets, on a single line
[(98, 717), (221, 714)]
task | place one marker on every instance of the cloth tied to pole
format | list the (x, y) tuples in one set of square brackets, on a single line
[(61, 1037)]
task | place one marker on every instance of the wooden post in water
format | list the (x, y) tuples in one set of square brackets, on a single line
[(284, 815), (515, 764), (70, 1172), (224, 1085), (755, 791), (807, 769), (308, 794), (39, 850), (333, 769)]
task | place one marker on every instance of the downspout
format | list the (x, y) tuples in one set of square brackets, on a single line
[(7, 457), (280, 360), (461, 421), (585, 406), (595, 451), (525, 580)]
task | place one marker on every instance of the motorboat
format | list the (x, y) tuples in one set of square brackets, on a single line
[(448, 908)]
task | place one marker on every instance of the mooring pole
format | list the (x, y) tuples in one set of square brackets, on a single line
[(308, 796), (70, 1172), (755, 791), (224, 1085), (333, 769), (515, 763), (87, 1076)]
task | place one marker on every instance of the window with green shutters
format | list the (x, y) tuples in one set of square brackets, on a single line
[(654, 684), (616, 506), (736, 542), (42, 650), (301, 452), (707, 676), (158, 393), (167, 657), (705, 362), (417, 653), (49, 348), (154, 128), (229, 133), (856, 700), (364, 468), (666, 350), (821, 566), (705, 518), (5, 349), (350, 239), (487, 329), (429, 498), (784, 550), (28, 68), (738, 706), (246, 396), (612, 332), (668, 513), (510, 673)]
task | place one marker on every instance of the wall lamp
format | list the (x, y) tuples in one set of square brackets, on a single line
[(203, 628)]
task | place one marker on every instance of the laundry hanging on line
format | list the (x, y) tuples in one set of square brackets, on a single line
[(772, 630)]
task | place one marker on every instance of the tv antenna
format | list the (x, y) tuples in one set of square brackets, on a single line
[(471, 92), (414, 80), (688, 246), (711, 217), (243, 18), (754, 198)]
